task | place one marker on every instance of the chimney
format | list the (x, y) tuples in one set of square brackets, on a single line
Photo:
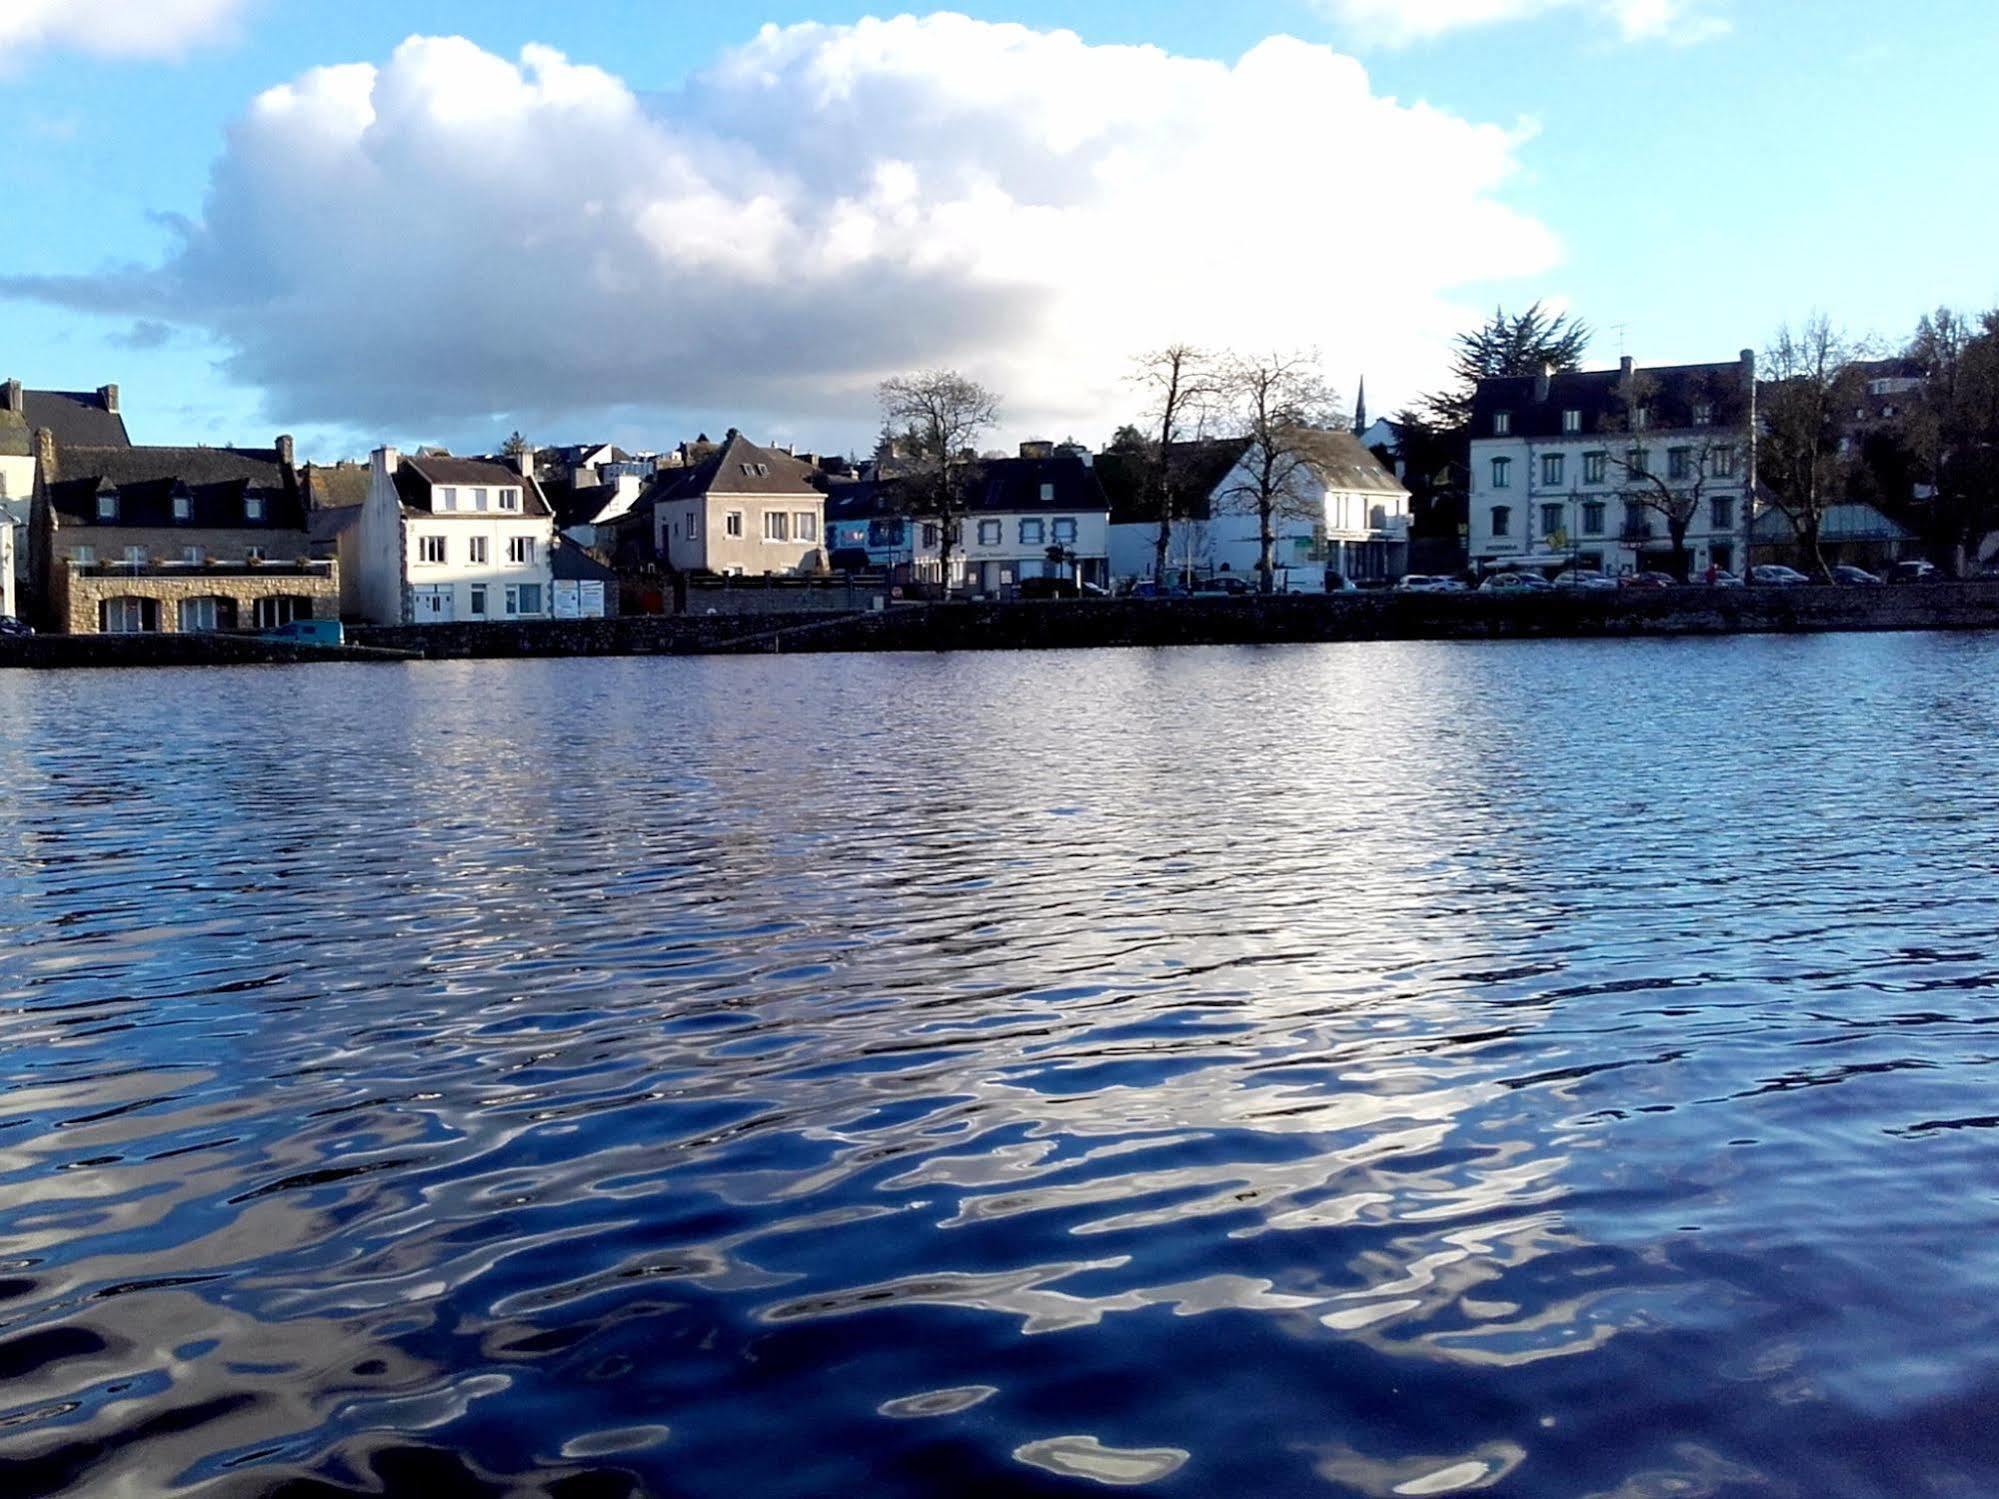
[(45, 455), (285, 452), (10, 397), (524, 461), (1625, 366), (1542, 382), (386, 460), (1037, 448), (108, 394)]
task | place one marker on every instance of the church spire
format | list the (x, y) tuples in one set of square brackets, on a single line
[(1360, 409)]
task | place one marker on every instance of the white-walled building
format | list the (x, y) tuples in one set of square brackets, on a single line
[(1345, 514), (1559, 463), (443, 539), (743, 510)]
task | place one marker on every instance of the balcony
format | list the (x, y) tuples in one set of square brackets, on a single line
[(219, 568)]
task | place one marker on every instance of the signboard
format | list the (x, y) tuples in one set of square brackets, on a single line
[(567, 605), (590, 599)]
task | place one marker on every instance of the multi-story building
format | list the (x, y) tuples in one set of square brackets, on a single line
[(443, 538), (142, 539), (743, 510), (1589, 467), (89, 419)]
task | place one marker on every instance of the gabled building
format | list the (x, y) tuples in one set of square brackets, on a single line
[(443, 539), (1344, 515), (1561, 464), (141, 539), (88, 419), (742, 510)]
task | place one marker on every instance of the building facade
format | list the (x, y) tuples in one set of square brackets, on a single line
[(1581, 467), (144, 539), (743, 511), (442, 539), (88, 419)]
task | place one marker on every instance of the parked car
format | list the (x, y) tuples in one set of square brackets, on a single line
[(1650, 579), (1341, 583), (1586, 580), (1046, 588), (12, 626), (1858, 576), (1912, 572), (1515, 583), (1418, 583), (1148, 589), (1721, 577), (1776, 575), (1227, 583)]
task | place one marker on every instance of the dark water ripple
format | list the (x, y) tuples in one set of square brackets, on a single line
[(1555, 1069)]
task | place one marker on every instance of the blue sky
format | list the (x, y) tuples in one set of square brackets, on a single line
[(1818, 154)]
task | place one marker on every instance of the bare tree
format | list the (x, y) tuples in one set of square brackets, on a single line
[(941, 414), (1280, 403), (1713, 451), (1803, 459), (1183, 383)]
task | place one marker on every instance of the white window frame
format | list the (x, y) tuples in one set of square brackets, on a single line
[(991, 532), (137, 556), (1502, 424), (1502, 473), (193, 556), (1062, 528), (1572, 420), (1033, 532), (1552, 465), (694, 525), (804, 526), (447, 498), (107, 507), (83, 556), (732, 524), (475, 601), (253, 507), (520, 551), (1596, 467), (183, 507), (777, 526), (510, 499), (476, 550), (431, 551)]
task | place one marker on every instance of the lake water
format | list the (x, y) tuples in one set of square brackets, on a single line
[(1537, 1069)]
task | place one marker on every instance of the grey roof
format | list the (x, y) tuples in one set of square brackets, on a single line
[(1670, 392), (147, 480), (1346, 465), (81, 417), (336, 486), (1199, 468), (415, 477), (739, 466), (1850, 520), (571, 563)]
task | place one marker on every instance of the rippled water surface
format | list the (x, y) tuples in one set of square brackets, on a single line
[(1545, 1069)]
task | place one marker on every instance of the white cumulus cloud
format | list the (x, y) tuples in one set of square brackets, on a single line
[(111, 28), (452, 235), (1402, 22)]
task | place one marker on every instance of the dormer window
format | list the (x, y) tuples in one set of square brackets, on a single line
[(478, 499), (1502, 424), (253, 507), (749, 470), (183, 507), (1703, 414), (447, 499), (510, 499), (763, 469), (107, 507), (1572, 421), (1641, 418), (1048, 494)]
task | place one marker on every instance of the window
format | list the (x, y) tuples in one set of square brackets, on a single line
[(777, 526), (1724, 461), (107, 507), (83, 556), (477, 600), (1031, 533), (1502, 473), (1551, 468), (1572, 420), (1703, 414), (135, 556), (1594, 465), (989, 533), (1636, 527), (763, 470), (183, 507), (932, 537), (253, 554), (1551, 519), (430, 549), (524, 598), (520, 549), (1638, 463), (280, 610), (128, 616), (804, 526), (1048, 494), (694, 525), (447, 499), (1721, 514), (193, 556), (1593, 517), (1641, 418), (1679, 463), (253, 507), (510, 499), (475, 549), (1502, 520), (198, 615), (1502, 423), (1064, 528), (732, 523), (478, 499)]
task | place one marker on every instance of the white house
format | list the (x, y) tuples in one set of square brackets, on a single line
[(1040, 515), (743, 510), (1344, 514), (443, 539), (1561, 463)]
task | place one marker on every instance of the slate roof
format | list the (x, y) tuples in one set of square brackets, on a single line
[(1669, 392), (146, 480), (335, 486), (739, 466), (416, 476), (1199, 467), (78, 417), (571, 563), (992, 485)]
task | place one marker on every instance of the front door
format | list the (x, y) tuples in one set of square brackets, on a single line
[(433, 605)]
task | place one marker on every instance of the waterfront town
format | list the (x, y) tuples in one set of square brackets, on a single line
[(1817, 465)]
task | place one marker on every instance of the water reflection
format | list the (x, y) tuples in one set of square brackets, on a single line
[(1547, 1068)]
